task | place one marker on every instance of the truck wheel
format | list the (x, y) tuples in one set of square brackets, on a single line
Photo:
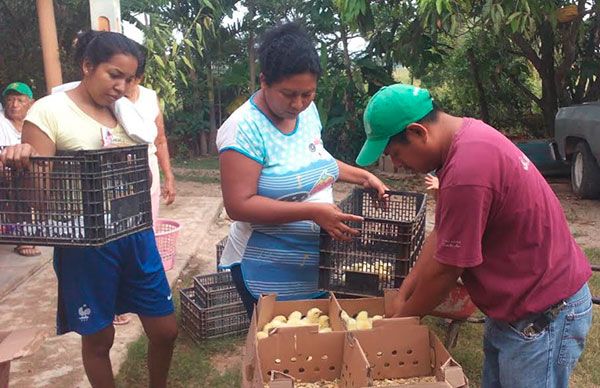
[(585, 172)]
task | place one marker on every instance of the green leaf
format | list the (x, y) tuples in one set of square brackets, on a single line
[(187, 62), (439, 4), (159, 60)]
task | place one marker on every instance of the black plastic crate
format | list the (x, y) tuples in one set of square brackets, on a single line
[(390, 241), (220, 247), (80, 198), (215, 289), (211, 322)]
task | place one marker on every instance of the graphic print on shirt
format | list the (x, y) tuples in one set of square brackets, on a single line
[(282, 258)]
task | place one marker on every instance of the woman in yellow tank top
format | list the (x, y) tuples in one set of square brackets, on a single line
[(122, 276)]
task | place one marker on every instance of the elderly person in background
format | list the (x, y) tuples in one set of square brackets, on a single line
[(17, 98)]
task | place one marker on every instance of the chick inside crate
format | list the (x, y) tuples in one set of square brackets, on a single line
[(391, 237)]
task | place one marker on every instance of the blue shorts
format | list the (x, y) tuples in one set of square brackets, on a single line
[(122, 276)]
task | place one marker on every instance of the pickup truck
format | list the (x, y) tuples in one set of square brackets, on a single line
[(577, 141)]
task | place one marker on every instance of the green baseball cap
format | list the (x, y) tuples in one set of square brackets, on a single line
[(18, 87), (388, 113)]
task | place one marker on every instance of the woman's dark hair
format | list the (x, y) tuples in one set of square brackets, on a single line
[(430, 117), (99, 46), (287, 50)]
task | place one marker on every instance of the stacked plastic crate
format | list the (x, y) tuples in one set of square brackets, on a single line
[(212, 308)]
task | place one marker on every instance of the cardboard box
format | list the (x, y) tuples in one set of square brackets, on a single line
[(394, 348), (303, 354), (16, 344), (403, 350)]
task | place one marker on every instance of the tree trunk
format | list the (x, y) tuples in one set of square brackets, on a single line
[(483, 104), (212, 138), (203, 139), (549, 102), (251, 51)]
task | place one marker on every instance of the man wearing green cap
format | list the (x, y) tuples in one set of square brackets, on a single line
[(499, 227), (17, 98)]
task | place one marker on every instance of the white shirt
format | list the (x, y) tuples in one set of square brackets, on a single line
[(137, 118), (9, 135)]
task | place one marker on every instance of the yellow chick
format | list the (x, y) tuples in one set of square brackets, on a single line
[(267, 328), (312, 316), (324, 322), (344, 315), (351, 324), (362, 316), (325, 330), (279, 318), (295, 316), (261, 335), (275, 324), (377, 317)]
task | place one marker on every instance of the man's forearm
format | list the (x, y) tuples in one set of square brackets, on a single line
[(426, 255)]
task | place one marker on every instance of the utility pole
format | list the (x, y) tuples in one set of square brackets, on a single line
[(49, 42)]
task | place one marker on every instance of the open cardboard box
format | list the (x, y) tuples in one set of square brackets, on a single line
[(302, 354), (16, 344), (402, 349), (394, 348), (268, 308)]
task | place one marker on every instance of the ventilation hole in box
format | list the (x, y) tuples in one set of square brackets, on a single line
[(415, 362), (401, 363), (293, 359), (317, 369), (378, 373), (277, 361), (309, 358), (301, 370), (387, 365), (409, 351), (332, 367), (379, 354), (286, 371), (324, 357), (394, 352), (269, 373)]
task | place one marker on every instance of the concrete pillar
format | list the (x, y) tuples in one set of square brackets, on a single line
[(49, 42)]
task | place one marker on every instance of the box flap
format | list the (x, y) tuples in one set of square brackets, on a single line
[(281, 380), (249, 354), (355, 367), (301, 352), (404, 352), (453, 374), (20, 343)]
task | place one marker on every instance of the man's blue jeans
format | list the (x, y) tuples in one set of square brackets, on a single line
[(546, 359)]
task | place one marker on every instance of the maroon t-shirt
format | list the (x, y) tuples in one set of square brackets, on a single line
[(498, 218)]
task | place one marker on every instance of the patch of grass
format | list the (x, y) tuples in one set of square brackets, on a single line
[(593, 255), (203, 163), (191, 365), (469, 347), (196, 177)]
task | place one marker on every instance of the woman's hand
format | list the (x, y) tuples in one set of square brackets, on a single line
[(329, 217), (17, 156), (372, 182), (168, 190)]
